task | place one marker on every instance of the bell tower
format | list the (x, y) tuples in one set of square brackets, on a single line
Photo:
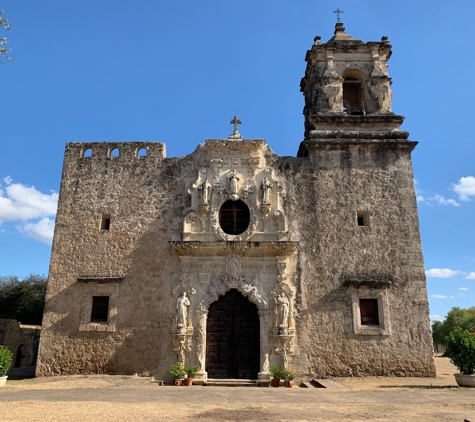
[(346, 86)]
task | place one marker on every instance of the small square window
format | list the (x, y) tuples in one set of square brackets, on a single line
[(100, 309), (369, 312), (106, 222), (362, 218)]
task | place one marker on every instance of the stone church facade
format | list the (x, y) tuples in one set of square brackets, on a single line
[(233, 258)]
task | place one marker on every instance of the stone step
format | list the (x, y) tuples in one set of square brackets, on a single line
[(212, 382)]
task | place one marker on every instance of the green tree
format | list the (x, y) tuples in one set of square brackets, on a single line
[(457, 317), (23, 300), (4, 23)]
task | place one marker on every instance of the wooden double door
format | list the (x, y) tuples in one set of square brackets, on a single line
[(232, 338)]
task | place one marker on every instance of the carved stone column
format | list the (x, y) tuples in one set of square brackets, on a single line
[(201, 317), (265, 318)]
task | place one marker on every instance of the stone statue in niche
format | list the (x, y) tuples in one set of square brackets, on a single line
[(182, 305), (234, 266), (204, 191), (283, 307), (233, 185), (266, 187)]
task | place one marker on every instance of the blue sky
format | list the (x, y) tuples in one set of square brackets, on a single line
[(177, 72)]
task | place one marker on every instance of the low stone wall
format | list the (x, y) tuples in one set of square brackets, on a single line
[(22, 340)]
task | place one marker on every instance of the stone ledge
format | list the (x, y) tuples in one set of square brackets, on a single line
[(249, 248), (358, 134), (100, 280)]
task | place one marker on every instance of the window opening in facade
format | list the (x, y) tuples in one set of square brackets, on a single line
[(362, 218), (369, 312), (234, 217), (106, 222), (100, 308)]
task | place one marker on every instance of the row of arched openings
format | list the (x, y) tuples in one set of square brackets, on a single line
[(114, 152)]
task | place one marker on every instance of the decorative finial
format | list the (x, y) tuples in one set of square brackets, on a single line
[(338, 12), (235, 134)]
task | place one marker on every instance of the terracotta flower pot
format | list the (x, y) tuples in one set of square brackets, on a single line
[(275, 382), (289, 384), (176, 382), (465, 380), (189, 382)]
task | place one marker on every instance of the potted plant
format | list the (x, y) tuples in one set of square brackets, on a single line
[(276, 373), (177, 372), (460, 348), (288, 376), (5, 364), (190, 374)]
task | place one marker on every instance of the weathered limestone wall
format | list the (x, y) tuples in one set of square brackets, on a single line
[(325, 192), (147, 200), (144, 196)]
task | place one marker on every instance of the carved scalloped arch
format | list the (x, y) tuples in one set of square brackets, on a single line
[(220, 284)]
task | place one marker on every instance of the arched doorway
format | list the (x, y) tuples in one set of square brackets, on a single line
[(232, 338)]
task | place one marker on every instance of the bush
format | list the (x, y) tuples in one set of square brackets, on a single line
[(288, 375), (24, 299), (5, 360), (276, 372), (460, 348), (191, 370), (177, 371), (457, 317)]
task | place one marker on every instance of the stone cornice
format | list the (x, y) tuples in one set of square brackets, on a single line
[(245, 145), (356, 134), (100, 279), (246, 248)]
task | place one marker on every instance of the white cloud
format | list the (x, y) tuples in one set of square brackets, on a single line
[(442, 273), (463, 288), (443, 201), (471, 276), (440, 297), (465, 188), (34, 209), (420, 198), (436, 317), (41, 230), (20, 202)]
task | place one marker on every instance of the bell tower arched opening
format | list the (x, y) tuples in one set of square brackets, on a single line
[(353, 98), (232, 338)]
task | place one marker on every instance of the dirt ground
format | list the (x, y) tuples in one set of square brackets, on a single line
[(104, 411), (291, 410)]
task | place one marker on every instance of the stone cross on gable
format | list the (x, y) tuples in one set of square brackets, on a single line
[(235, 134)]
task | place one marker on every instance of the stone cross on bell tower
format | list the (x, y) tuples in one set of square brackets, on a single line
[(235, 134)]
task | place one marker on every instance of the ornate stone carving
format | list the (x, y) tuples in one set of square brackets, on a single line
[(182, 343), (283, 308), (204, 192), (201, 338), (214, 220), (233, 185), (221, 283), (182, 305), (266, 186), (190, 222), (234, 265)]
